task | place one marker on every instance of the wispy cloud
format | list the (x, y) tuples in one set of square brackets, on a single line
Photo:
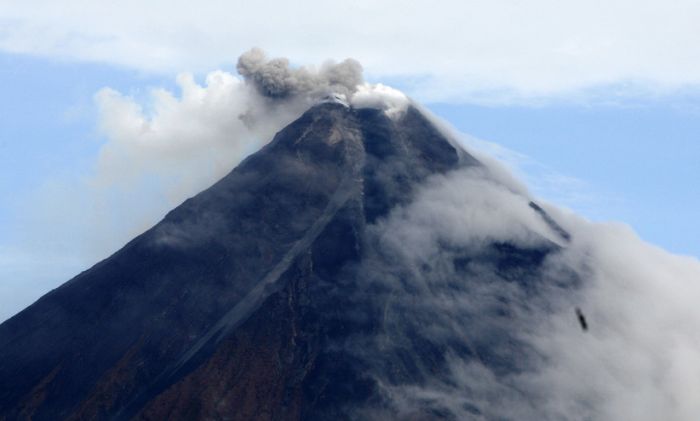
[(480, 51), (542, 180)]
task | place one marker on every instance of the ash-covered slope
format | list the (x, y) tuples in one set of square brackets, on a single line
[(283, 292)]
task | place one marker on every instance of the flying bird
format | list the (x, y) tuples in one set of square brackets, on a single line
[(582, 319)]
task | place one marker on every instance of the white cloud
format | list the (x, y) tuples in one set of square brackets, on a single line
[(163, 150), (189, 138), (640, 360), (479, 50)]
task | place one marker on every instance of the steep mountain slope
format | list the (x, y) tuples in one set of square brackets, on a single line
[(275, 295)]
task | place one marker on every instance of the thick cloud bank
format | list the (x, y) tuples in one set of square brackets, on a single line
[(515, 348), (641, 358)]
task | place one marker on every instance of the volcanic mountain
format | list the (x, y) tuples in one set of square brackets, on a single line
[(288, 290)]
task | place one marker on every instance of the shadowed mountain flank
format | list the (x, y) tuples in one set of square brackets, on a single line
[(279, 294)]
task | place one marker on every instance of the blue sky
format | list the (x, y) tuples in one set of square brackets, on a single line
[(602, 106)]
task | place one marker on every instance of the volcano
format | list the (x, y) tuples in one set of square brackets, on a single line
[(278, 294)]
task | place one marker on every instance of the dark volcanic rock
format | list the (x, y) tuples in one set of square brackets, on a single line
[(265, 297)]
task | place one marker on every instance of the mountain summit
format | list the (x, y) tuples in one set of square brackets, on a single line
[(305, 284)]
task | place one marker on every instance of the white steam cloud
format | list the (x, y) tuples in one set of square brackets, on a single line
[(188, 140)]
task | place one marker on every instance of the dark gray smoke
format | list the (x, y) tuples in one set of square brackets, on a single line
[(274, 78)]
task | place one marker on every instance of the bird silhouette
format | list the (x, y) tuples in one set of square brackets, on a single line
[(582, 319)]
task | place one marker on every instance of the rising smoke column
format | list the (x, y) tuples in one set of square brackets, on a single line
[(276, 79)]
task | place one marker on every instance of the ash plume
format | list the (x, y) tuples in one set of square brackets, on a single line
[(275, 78)]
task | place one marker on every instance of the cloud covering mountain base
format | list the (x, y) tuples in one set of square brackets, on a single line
[(527, 356)]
